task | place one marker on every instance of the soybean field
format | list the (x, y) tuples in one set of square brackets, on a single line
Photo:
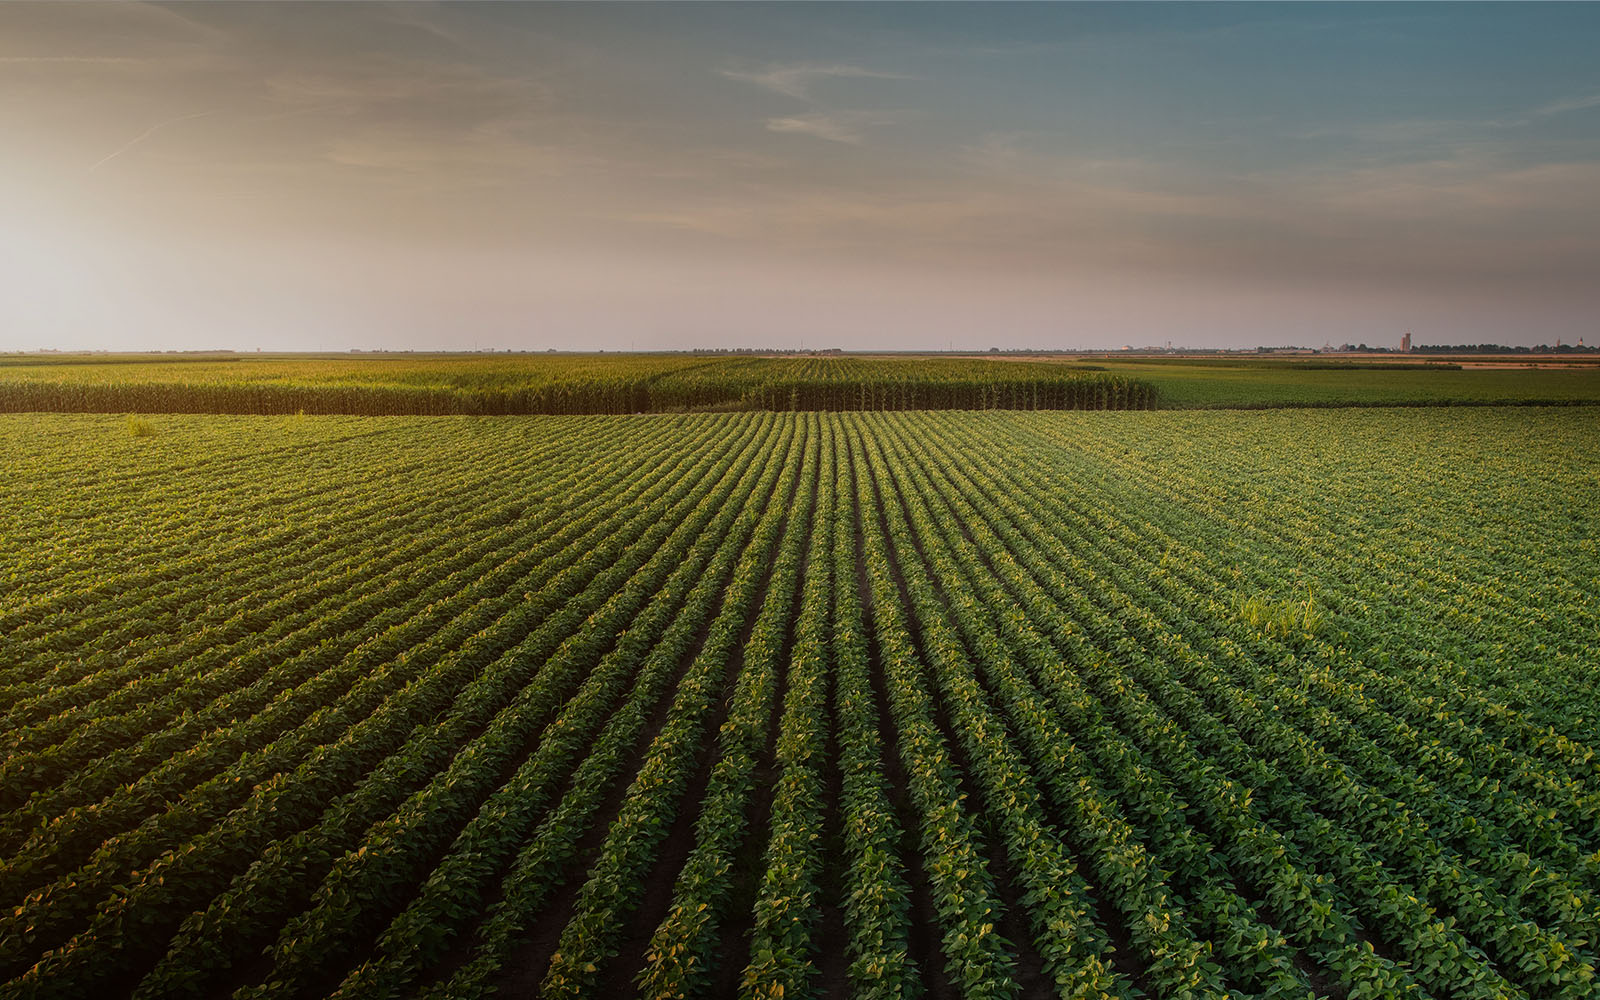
[(1176, 704)]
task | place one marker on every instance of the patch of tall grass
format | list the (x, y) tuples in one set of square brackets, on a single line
[(1290, 616)]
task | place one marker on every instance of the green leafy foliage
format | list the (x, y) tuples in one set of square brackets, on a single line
[(559, 384), (1281, 705), (1294, 616)]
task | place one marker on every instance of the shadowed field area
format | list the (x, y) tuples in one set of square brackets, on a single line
[(1161, 704)]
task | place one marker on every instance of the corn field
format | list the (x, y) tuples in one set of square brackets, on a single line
[(563, 384)]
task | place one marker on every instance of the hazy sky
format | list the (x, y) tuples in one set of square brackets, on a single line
[(328, 176)]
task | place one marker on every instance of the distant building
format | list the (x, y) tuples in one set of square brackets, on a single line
[(1405, 343)]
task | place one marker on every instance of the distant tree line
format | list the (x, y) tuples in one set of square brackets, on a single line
[(1502, 349)]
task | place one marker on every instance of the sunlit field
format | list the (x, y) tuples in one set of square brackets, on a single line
[(554, 384), (381, 384), (799, 501), (1288, 704)]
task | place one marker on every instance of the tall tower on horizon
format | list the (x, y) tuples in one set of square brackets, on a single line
[(1405, 343)]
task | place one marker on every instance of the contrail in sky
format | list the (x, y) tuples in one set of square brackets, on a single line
[(141, 137)]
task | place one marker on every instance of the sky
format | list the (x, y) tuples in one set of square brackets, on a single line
[(866, 176)]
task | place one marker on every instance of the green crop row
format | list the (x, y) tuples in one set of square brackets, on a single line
[(797, 705)]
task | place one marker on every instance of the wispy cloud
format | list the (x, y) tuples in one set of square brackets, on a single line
[(90, 60), (1414, 130), (1569, 104), (834, 128), (407, 83), (796, 79), (142, 136), (999, 151), (424, 17)]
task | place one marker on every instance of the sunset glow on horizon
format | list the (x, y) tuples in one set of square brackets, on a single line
[(897, 176)]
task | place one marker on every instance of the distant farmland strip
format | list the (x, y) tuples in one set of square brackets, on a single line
[(560, 385), (892, 705)]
